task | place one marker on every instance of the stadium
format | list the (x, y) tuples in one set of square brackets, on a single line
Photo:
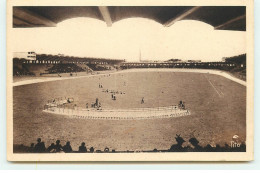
[(211, 93)]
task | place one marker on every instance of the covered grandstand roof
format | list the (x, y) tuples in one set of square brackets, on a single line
[(220, 17), (44, 57)]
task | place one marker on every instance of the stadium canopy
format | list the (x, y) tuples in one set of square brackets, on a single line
[(220, 17)]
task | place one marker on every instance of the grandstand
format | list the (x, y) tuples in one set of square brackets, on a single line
[(54, 64), (235, 65)]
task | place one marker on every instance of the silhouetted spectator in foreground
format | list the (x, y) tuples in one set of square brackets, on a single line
[(227, 146), (218, 148), (208, 148), (82, 148), (51, 148), (58, 146), (31, 149), (195, 143), (242, 147), (40, 146), (67, 148), (91, 149), (106, 149), (188, 148), (178, 147)]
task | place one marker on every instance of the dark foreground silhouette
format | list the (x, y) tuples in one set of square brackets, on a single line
[(193, 146)]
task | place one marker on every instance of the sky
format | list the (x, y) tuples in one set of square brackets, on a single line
[(87, 37)]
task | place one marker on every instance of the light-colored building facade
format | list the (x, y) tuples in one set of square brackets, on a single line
[(25, 55)]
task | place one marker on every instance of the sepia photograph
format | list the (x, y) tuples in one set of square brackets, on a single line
[(130, 82)]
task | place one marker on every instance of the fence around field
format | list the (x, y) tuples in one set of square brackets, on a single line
[(120, 114)]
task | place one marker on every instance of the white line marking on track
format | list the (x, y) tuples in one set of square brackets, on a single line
[(218, 92), (221, 93)]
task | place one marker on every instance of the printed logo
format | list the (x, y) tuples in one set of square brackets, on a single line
[(235, 143)]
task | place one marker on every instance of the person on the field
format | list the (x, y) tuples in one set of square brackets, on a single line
[(99, 106), (181, 104), (87, 105), (142, 101), (97, 103)]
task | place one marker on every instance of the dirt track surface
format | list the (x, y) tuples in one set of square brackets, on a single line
[(218, 107)]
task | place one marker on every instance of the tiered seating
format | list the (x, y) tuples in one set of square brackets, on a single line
[(65, 68), (96, 67)]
